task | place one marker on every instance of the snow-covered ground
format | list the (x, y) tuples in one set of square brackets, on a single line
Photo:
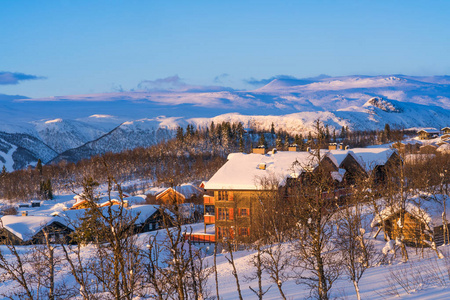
[(377, 282)]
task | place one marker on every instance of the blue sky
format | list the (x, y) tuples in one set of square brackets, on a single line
[(64, 47)]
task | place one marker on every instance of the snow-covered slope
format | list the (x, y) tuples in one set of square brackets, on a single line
[(129, 135), (82, 125), (19, 150)]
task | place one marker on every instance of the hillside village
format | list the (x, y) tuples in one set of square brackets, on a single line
[(394, 196)]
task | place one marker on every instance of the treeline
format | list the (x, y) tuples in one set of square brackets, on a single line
[(194, 154)]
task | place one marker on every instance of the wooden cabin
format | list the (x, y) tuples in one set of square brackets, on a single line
[(180, 194), (27, 230), (445, 130), (426, 134), (149, 218), (423, 223)]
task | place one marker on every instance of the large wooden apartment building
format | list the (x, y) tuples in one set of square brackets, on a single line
[(232, 193)]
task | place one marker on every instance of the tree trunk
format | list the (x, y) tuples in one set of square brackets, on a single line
[(358, 296)]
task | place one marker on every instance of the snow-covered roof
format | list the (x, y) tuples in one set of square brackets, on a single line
[(143, 212), (430, 212), (25, 227), (102, 197), (445, 148), (187, 190), (368, 158), (430, 131), (245, 171)]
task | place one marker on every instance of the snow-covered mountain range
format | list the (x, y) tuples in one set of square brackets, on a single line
[(71, 127)]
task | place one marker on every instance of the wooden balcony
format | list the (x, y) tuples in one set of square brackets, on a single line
[(208, 200), (209, 219), (201, 238)]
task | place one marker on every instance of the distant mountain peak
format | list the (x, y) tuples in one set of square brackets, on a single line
[(382, 104)]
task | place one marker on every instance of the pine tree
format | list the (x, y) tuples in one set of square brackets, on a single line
[(262, 140), (286, 142), (39, 166), (387, 132), (241, 144), (272, 129), (4, 171), (180, 134)]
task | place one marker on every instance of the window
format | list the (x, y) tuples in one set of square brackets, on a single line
[(244, 212), (219, 232), (244, 231), (222, 214), (225, 213), (223, 196)]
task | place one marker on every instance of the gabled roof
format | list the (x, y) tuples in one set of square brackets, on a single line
[(445, 128), (245, 171), (368, 158), (25, 227), (143, 212), (428, 212), (184, 191), (429, 131)]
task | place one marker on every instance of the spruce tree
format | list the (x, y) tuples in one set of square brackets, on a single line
[(39, 166)]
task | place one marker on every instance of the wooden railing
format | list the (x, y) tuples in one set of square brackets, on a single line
[(209, 219), (208, 200), (201, 238)]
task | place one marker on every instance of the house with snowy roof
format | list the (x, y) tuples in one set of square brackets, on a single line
[(179, 194), (234, 189), (426, 134), (25, 229), (102, 200), (366, 162), (424, 221), (445, 130)]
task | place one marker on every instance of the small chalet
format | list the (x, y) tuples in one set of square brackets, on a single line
[(445, 130), (26, 230), (427, 134), (103, 200), (179, 194), (423, 224), (149, 217)]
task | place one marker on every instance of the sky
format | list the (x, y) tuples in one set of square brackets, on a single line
[(63, 47)]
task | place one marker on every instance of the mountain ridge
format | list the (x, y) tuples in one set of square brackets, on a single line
[(96, 123)]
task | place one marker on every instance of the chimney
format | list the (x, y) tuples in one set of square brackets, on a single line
[(293, 148), (262, 166), (125, 203), (341, 146), (24, 213), (259, 150), (347, 147), (308, 149), (332, 146)]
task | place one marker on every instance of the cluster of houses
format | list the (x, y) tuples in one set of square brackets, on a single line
[(33, 220), (430, 141)]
